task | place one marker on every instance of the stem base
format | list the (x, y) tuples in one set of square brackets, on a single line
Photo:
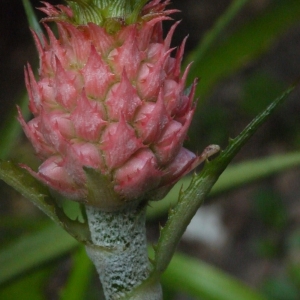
[(119, 252)]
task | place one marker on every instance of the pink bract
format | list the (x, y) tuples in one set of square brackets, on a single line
[(114, 102)]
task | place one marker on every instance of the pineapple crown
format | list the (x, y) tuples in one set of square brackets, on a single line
[(110, 14)]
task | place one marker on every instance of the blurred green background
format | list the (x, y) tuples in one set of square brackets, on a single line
[(252, 59)]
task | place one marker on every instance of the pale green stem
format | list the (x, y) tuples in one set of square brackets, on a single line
[(119, 252)]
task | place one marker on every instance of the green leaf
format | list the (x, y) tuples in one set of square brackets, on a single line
[(192, 198), (204, 281), (34, 250), (51, 243), (254, 170), (234, 177), (280, 288), (33, 190), (19, 289), (246, 44), (10, 132), (31, 17), (79, 278), (136, 8)]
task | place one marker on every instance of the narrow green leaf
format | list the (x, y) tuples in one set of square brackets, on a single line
[(33, 190), (248, 43), (34, 250), (10, 132), (79, 278), (31, 17), (234, 176), (192, 198), (256, 170), (204, 281), (50, 243), (211, 36), (19, 289)]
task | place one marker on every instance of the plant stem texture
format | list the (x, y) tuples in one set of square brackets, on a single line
[(119, 252)]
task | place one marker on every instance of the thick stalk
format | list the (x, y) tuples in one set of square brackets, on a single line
[(119, 252)]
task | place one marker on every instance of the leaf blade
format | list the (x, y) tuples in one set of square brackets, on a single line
[(243, 46), (193, 197), (35, 250), (204, 281), (33, 190), (234, 177), (31, 17)]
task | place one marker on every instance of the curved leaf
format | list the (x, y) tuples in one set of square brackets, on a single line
[(33, 190), (233, 177), (191, 199)]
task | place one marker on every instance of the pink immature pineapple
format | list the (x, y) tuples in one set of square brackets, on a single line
[(113, 101)]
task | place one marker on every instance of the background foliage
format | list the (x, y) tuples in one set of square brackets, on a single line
[(251, 56)]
